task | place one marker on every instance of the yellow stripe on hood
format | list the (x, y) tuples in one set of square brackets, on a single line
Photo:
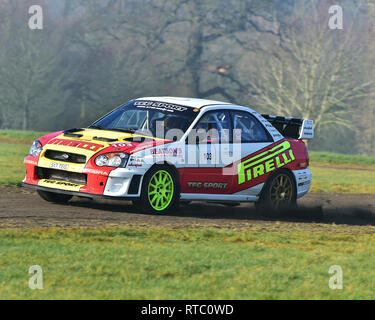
[(85, 145)]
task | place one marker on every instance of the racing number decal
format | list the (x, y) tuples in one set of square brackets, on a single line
[(265, 162), (208, 156)]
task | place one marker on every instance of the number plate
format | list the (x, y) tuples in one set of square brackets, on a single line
[(60, 166)]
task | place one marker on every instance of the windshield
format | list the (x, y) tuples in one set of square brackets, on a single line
[(148, 118)]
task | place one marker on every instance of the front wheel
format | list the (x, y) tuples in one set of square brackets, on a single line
[(54, 197), (160, 190), (278, 194)]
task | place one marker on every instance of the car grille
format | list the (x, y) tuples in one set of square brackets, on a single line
[(65, 156), (59, 175)]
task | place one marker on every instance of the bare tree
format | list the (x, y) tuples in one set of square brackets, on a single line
[(305, 69), (30, 74), (277, 56)]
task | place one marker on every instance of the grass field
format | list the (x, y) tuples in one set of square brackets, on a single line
[(338, 159), (18, 136), (316, 157), (165, 263), (184, 264), (324, 179), (11, 163), (342, 181)]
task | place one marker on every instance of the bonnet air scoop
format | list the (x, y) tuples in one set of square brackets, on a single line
[(72, 133), (104, 139)]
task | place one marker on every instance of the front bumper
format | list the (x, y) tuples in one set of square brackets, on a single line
[(79, 194), (122, 183)]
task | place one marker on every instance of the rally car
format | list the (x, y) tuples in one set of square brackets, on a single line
[(159, 151)]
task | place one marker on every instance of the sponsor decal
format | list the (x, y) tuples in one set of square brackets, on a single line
[(160, 106), (303, 179), (145, 145), (77, 144), (265, 162), (93, 171), (307, 134), (301, 184), (34, 163), (208, 185), (171, 152), (62, 183), (136, 162)]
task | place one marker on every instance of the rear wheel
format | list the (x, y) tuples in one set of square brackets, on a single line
[(54, 197), (278, 194), (160, 190)]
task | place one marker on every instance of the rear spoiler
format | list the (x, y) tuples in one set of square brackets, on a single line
[(292, 127)]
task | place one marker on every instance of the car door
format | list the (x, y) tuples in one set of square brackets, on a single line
[(204, 141), (249, 137)]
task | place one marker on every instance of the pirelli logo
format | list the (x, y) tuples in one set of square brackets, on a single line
[(77, 144), (265, 162)]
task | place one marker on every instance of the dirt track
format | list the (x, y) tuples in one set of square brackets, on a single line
[(23, 208)]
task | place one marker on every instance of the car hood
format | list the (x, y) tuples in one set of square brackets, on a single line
[(89, 142)]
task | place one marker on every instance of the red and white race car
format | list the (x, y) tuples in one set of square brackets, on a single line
[(158, 151)]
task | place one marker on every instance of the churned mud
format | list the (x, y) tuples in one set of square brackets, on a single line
[(22, 208)]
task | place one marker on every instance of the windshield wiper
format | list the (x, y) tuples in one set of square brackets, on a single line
[(122, 130), (97, 127), (127, 130)]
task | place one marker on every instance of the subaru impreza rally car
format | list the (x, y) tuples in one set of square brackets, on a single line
[(158, 151)]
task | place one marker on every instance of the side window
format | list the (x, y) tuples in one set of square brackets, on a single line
[(248, 129), (214, 127)]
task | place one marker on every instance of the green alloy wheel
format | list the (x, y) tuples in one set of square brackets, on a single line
[(160, 191)]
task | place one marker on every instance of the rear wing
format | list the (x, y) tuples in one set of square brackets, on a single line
[(292, 127)]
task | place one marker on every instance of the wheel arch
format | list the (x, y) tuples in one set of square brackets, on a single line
[(273, 174), (171, 166), (164, 163)]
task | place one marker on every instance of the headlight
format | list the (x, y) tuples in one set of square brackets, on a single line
[(36, 149), (115, 159)]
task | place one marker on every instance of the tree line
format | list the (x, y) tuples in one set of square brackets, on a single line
[(279, 57)]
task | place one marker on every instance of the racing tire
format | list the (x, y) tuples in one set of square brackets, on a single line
[(278, 195), (54, 197), (160, 190), (137, 203)]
